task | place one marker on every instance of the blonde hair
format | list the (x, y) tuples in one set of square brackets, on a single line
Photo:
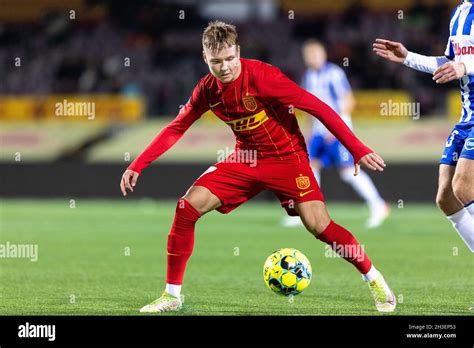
[(219, 35)]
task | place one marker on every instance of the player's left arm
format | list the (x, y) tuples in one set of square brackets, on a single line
[(275, 87), (443, 68)]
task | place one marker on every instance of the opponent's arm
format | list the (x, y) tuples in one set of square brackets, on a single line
[(443, 68), (193, 109)]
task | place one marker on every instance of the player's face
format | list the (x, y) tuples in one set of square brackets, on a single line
[(225, 64), (314, 56)]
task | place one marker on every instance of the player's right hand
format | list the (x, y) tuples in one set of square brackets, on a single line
[(390, 50), (128, 182)]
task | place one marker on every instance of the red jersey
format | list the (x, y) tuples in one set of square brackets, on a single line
[(259, 108)]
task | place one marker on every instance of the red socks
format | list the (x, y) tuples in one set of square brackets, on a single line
[(346, 246), (181, 241)]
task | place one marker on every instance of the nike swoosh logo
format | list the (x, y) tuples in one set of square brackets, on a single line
[(214, 105), (302, 194)]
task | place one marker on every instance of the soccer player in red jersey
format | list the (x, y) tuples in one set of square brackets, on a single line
[(257, 101)]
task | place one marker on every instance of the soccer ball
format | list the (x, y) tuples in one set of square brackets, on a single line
[(287, 272)]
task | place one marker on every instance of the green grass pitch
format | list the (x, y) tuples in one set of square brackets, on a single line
[(108, 258)]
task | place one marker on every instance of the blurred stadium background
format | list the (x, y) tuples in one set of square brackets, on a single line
[(138, 61)]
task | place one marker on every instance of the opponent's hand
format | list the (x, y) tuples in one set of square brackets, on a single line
[(371, 161), (449, 72), (390, 50), (128, 182)]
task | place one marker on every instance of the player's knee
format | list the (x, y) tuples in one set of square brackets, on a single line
[(316, 226), (441, 199), (445, 199), (201, 199)]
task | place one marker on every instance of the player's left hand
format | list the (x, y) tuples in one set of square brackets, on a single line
[(371, 161), (449, 72)]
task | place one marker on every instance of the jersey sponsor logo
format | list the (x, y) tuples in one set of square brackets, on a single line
[(469, 144), (462, 50), (302, 182), (249, 122), (249, 103)]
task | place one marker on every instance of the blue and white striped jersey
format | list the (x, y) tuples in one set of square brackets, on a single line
[(329, 84), (460, 48)]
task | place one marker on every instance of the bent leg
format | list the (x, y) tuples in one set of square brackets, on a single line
[(316, 219), (197, 201)]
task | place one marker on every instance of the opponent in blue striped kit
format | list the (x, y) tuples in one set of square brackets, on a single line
[(328, 82), (456, 173)]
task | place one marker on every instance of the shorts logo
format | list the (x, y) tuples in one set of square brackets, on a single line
[(302, 182), (302, 194), (249, 122), (469, 144), (214, 105), (249, 103)]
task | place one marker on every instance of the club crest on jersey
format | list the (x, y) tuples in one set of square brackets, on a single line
[(302, 182), (249, 103)]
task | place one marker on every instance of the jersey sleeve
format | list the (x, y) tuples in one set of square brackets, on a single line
[(189, 113), (275, 87)]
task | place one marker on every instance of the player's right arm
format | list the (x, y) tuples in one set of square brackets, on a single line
[(189, 113), (443, 68), (274, 87), (396, 52)]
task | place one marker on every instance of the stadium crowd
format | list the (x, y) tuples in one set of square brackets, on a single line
[(144, 47)]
